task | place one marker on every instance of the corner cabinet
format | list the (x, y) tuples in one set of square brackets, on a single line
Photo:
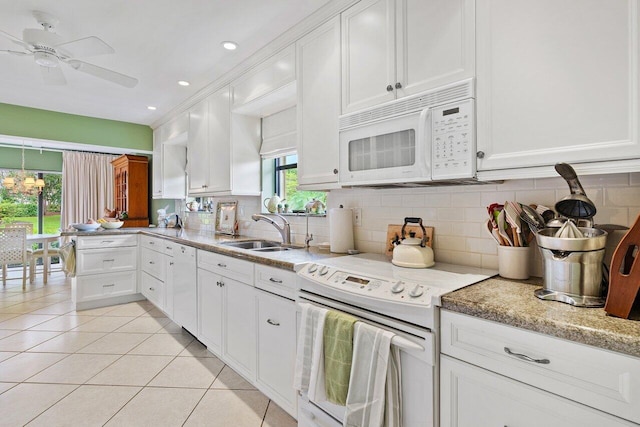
[(556, 82), (396, 48), (131, 178), (318, 91)]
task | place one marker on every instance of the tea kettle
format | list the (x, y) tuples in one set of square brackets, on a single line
[(412, 252), (272, 203)]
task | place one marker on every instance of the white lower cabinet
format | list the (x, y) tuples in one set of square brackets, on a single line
[(185, 290), (472, 397), (276, 317), (495, 374), (239, 336), (153, 289), (210, 310)]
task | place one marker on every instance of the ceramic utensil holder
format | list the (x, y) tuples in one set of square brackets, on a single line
[(514, 262)]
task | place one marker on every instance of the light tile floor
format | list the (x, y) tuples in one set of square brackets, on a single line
[(126, 365)]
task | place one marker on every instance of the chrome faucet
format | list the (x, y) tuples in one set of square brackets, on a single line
[(178, 220), (284, 230)]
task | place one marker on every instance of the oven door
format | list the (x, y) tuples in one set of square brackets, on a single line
[(417, 360), (394, 150)]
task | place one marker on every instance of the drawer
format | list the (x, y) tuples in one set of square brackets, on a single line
[(153, 290), (276, 280), (236, 269), (153, 263), (471, 396), (598, 378), (95, 261), (106, 241), (152, 243), (105, 285)]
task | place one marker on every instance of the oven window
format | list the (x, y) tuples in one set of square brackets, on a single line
[(383, 151)]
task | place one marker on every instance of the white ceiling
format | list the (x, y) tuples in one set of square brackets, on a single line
[(157, 41)]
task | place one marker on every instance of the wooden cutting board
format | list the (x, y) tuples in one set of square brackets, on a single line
[(394, 232)]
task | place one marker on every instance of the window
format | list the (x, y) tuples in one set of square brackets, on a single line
[(285, 183)]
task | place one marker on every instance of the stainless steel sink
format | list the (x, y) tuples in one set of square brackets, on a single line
[(272, 249), (254, 244)]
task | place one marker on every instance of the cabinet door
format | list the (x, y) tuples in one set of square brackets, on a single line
[(435, 43), (174, 164), (276, 348), (198, 148), (318, 71), (368, 54), (156, 164), (152, 289), (551, 88), (220, 142), (210, 310), (240, 327), (185, 295), (168, 286), (471, 396)]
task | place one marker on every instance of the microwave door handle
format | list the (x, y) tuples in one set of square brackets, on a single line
[(424, 139)]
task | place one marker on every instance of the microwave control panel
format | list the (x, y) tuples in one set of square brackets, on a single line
[(453, 141)]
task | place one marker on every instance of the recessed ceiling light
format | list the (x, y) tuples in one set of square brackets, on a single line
[(183, 83), (230, 45), (151, 107)]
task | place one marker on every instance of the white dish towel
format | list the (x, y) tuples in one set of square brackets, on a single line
[(309, 370), (374, 398)]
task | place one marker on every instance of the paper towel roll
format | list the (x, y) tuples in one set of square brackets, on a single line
[(341, 230)]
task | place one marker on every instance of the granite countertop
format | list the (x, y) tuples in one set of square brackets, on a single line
[(512, 303), (289, 260)]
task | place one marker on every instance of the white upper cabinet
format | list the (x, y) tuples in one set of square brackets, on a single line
[(318, 90), (219, 141), (198, 148), (395, 48), (170, 158), (556, 82)]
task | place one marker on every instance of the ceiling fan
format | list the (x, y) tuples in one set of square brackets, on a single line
[(49, 51)]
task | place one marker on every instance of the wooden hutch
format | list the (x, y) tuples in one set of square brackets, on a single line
[(131, 190)]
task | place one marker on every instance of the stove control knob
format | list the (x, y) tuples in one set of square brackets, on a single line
[(416, 292), (397, 288), (313, 268), (324, 270)]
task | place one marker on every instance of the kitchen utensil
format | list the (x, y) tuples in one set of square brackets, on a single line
[(534, 220), (573, 267), (86, 227), (493, 232), (513, 262), (394, 234), (494, 210), (547, 213), (624, 274), (271, 203), (413, 252), (112, 224), (513, 219), (577, 205), (503, 229), (569, 231)]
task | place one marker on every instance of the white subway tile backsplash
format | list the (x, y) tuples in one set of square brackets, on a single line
[(438, 200), (491, 197), (465, 199), (452, 243), (391, 199), (482, 246), (628, 196), (634, 178), (413, 200), (450, 214)]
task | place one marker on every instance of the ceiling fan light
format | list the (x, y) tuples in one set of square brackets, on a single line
[(46, 59), (8, 182), (40, 183)]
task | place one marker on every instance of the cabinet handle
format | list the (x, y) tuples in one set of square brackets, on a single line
[(525, 357), (398, 85), (335, 171), (271, 322), (107, 241), (170, 262), (109, 286), (221, 284), (389, 88), (271, 279), (168, 247), (108, 260), (152, 243), (152, 289), (480, 154), (222, 265), (151, 262)]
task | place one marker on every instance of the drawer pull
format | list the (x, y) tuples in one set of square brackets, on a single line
[(271, 279), (222, 265), (108, 260), (151, 262), (152, 289), (525, 357), (170, 262), (271, 322), (109, 286), (168, 247), (107, 241), (152, 243)]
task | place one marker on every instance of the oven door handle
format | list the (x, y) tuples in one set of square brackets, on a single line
[(406, 344)]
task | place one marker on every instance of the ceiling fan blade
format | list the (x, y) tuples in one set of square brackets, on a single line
[(88, 46), (53, 76), (103, 73), (15, 52), (14, 39)]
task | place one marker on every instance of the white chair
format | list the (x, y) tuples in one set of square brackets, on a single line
[(13, 250), (37, 253)]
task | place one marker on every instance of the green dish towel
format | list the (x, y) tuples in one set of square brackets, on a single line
[(338, 351)]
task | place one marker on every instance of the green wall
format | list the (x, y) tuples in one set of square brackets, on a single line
[(28, 122)]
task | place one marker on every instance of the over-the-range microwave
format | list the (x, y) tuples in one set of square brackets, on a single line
[(418, 139)]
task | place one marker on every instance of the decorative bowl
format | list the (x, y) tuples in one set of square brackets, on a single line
[(112, 224), (86, 227)]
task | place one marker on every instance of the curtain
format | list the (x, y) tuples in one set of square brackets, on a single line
[(87, 186)]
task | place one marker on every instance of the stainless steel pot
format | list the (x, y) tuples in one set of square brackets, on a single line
[(573, 267)]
